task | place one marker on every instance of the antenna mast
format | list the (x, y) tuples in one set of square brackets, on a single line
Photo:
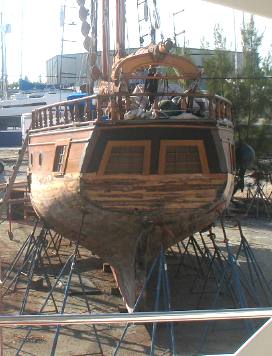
[(174, 26)]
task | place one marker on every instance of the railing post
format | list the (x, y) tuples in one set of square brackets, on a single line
[(99, 109), (66, 115), (113, 108), (76, 108), (217, 109), (50, 117), (127, 103), (88, 110), (211, 108), (222, 110), (120, 107), (183, 104), (228, 110), (45, 123), (40, 119), (57, 114), (34, 123)]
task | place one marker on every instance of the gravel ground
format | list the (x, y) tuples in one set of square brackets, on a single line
[(188, 291)]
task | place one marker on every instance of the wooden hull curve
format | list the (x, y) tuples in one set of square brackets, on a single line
[(114, 236), (109, 212)]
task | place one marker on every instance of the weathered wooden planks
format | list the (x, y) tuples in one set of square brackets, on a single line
[(114, 207)]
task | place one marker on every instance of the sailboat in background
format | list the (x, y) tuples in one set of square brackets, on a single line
[(15, 113), (17, 104), (130, 171)]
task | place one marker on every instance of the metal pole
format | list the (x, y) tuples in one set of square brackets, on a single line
[(137, 318), (18, 255), (3, 57), (168, 296), (174, 26), (1, 309), (120, 27), (139, 299), (105, 40), (45, 302), (157, 301), (62, 49), (67, 287)]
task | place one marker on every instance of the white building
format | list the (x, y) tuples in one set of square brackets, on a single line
[(72, 70)]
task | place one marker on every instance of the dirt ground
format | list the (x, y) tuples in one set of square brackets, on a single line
[(190, 285), (200, 273)]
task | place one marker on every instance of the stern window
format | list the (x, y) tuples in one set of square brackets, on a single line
[(126, 157), (183, 157)]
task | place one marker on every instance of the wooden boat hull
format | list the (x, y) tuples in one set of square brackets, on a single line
[(126, 218), (116, 236)]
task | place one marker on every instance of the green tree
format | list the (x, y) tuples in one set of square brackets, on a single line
[(219, 66), (172, 72), (252, 71), (251, 91), (267, 85)]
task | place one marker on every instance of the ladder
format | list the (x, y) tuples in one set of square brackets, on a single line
[(4, 201)]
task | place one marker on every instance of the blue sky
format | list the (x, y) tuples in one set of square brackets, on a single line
[(36, 31)]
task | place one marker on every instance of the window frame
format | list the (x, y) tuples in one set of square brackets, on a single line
[(40, 159), (128, 143), (61, 143), (164, 144)]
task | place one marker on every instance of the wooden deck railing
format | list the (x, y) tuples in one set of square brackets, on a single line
[(99, 107)]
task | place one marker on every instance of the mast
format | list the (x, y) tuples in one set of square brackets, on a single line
[(120, 27), (22, 38), (62, 23), (3, 60), (105, 39), (92, 55), (4, 28)]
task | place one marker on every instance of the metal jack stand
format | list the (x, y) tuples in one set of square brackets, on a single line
[(198, 254), (257, 279), (162, 286), (25, 249), (65, 277), (55, 244), (234, 281), (211, 264), (33, 251), (258, 196)]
